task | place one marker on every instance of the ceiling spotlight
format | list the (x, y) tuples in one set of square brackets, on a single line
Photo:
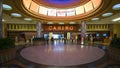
[(72, 23), (95, 19), (50, 23), (7, 7), (16, 15), (28, 19), (61, 22), (107, 14), (3, 20), (116, 7)]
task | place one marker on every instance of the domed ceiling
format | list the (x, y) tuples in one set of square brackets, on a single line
[(64, 10), (55, 10), (61, 3)]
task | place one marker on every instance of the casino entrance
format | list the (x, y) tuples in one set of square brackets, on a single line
[(73, 32), (60, 32)]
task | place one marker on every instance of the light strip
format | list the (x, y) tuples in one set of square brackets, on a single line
[(116, 19), (61, 23), (3, 20), (72, 23), (50, 23), (28, 19)]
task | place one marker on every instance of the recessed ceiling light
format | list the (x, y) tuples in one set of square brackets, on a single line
[(7, 7), (72, 23), (3, 20), (28, 19), (50, 23), (61, 22), (116, 19), (16, 15), (107, 14), (95, 19), (116, 7)]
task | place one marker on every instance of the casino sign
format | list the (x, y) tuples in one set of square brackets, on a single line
[(60, 27)]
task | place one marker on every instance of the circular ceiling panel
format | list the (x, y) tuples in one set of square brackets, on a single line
[(61, 3)]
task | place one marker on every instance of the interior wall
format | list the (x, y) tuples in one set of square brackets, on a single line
[(116, 30)]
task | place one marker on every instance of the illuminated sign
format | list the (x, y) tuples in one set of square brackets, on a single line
[(60, 27)]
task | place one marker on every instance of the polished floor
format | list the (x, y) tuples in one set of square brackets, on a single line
[(63, 54)]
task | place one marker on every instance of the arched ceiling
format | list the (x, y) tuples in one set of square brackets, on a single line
[(60, 3)]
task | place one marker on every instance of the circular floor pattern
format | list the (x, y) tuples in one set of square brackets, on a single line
[(67, 55)]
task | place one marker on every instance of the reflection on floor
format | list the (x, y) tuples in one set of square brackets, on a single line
[(105, 62)]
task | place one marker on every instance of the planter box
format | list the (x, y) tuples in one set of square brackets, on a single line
[(39, 41), (8, 54)]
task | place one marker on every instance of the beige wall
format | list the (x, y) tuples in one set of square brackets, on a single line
[(116, 29)]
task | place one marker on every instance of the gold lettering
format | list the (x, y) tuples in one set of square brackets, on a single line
[(59, 28), (50, 27), (62, 27), (54, 28), (66, 28), (71, 28)]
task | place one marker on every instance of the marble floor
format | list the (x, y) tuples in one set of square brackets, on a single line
[(64, 54)]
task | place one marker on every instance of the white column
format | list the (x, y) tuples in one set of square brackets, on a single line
[(38, 28)]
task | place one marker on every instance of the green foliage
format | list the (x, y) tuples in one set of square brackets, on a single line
[(115, 43), (6, 43)]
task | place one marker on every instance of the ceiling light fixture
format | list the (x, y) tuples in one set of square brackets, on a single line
[(116, 19), (3, 20), (27, 19), (72, 23), (16, 15), (95, 19), (61, 23), (107, 14), (116, 7), (50, 23), (7, 7)]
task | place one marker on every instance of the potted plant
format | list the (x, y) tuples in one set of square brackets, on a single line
[(7, 49), (114, 49)]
